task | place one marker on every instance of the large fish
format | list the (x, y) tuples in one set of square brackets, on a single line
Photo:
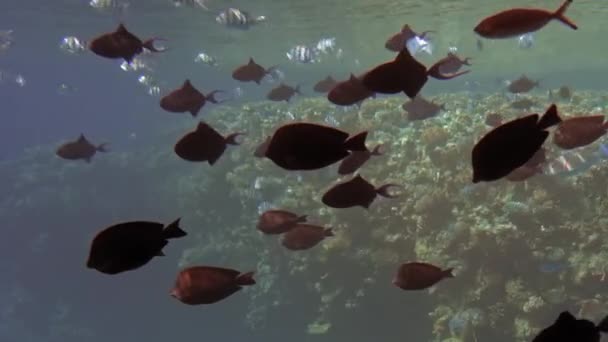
[(81, 149), (207, 285), (121, 44)]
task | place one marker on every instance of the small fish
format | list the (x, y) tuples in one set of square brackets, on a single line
[(207, 285), (206, 59), (356, 159), (250, 72), (235, 18), (579, 131), (517, 21), (278, 221), (522, 85), (302, 54), (511, 145), (81, 149), (309, 146), (187, 99), (72, 45), (419, 276), (523, 104), (355, 192), (121, 44), (283, 92), (567, 329), (190, 3), (525, 41), (305, 236), (397, 41), (204, 144), (130, 245), (419, 108), (326, 45), (563, 93), (452, 63), (325, 85), (418, 44), (106, 5), (349, 92)]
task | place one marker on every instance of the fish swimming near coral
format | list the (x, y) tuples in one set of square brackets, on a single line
[(204, 144), (579, 131), (305, 236), (121, 44), (207, 284), (282, 92), (251, 72), (419, 276), (349, 92), (356, 159), (277, 221), (522, 85), (81, 149), (187, 99), (355, 192)]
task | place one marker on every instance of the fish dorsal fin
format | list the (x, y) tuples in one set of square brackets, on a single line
[(202, 126), (251, 61), (81, 138), (121, 28), (353, 78), (187, 85), (405, 28)]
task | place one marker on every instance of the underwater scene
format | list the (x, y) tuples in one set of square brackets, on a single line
[(312, 170)]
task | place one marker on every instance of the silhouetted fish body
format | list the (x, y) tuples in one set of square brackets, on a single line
[(278, 221), (419, 276), (204, 144), (282, 92), (403, 74), (354, 192), (305, 236), (522, 85), (579, 131), (349, 92), (81, 149), (186, 99), (121, 44), (250, 72), (452, 63), (356, 159), (569, 329), (207, 285)]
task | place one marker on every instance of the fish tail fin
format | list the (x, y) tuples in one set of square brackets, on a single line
[(245, 279), (356, 142), (378, 150), (301, 219), (231, 139), (550, 118), (173, 230), (560, 15), (447, 273), (603, 325), (384, 190), (328, 232), (211, 97), (149, 44), (102, 147)]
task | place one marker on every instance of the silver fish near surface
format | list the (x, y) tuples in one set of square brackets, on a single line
[(302, 54), (525, 41), (72, 45), (206, 59), (109, 5), (416, 44), (190, 3), (326, 45), (235, 18)]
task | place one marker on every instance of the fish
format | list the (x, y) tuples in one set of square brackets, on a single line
[(493, 119), (187, 99), (419, 276), (251, 72), (355, 192), (579, 131), (511, 145), (356, 159), (206, 59), (276, 221), (80, 149), (326, 45), (199, 285), (283, 92), (397, 41), (70, 44), (121, 44), (130, 245), (567, 328), (522, 85), (419, 108), (349, 92), (564, 92), (309, 146), (204, 144), (452, 63), (302, 54), (525, 41), (518, 21), (305, 236), (325, 85), (190, 3), (418, 44), (236, 18), (531, 168)]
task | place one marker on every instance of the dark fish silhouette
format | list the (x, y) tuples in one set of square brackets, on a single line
[(518, 21), (419, 108), (204, 144), (207, 285), (308, 146), (81, 149), (283, 92), (579, 131), (452, 63), (251, 72), (305, 236), (397, 41), (522, 85), (569, 329), (356, 159), (419, 276), (187, 99), (325, 85), (355, 192), (511, 145), (121, 44), (130, 245), (278, 221), (349, 92)]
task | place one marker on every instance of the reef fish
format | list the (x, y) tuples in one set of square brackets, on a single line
[(207, 285), (81, 149), (397, 41), (130, 245), (121, 44), (356, 159), (568, 329), (308, 146), (518, 21), (204, 144), (282, 92), (522, 85), (419, 108), (236, 18), (276, 221), (355, 192), (251, 72), (349, 92), (305, 236), (579, 131), (452, 63), (530, 168), (511, 145), (187, 99), (302, 54), (325, 85), (419, 276)]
